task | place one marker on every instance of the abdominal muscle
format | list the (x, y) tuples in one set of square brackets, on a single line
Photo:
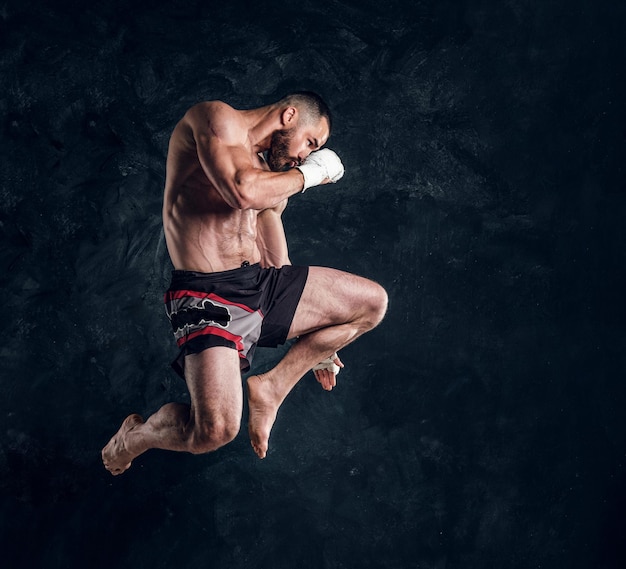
[(205, 234)]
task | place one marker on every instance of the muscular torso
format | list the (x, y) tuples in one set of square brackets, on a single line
[(203, 233)]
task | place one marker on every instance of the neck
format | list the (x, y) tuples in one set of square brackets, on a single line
[(262, 123)]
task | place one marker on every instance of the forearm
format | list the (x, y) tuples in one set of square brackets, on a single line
[(273, 248), (258, 189), (271, 239)]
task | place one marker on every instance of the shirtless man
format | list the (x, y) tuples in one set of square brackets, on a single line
[(229, 176)]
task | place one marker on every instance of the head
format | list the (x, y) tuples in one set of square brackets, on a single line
[(306, 125)]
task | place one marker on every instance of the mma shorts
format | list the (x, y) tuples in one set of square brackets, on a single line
[(240, 309)]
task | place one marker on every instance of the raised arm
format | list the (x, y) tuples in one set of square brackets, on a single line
[(221, 140), (271, 238)]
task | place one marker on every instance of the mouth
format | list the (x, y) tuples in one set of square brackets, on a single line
[(289, 165)]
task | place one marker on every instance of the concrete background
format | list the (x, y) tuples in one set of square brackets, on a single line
[(481, 425)]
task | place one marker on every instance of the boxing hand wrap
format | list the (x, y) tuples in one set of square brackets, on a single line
[(329, 364), (320, 165)]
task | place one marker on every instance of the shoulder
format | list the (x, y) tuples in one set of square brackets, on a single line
[(218, 119), (213, 110)]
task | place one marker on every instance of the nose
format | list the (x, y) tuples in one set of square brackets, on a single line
[(304, 153)]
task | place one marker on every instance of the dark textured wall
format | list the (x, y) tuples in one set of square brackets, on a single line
[(481, 425)]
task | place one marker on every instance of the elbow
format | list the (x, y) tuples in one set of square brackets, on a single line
[(243, 191), (238, 199), (244, 202)]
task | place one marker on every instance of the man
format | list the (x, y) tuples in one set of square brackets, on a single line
[(229, 176)]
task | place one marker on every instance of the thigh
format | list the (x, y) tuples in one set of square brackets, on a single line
[(213, 378), (331, 297)]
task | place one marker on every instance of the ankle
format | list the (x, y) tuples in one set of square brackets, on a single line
[(268, 386)]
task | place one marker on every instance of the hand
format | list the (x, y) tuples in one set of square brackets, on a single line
[(326, 372), (321, 167)]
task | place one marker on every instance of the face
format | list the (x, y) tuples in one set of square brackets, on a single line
[(289, 147)]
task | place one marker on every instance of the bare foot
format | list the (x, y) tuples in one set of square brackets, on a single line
[(262, 413), (115, 456)]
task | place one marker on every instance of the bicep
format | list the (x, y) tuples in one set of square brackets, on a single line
[(224, 159), (225, 165)]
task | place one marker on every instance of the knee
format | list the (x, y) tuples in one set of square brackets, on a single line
[(375, 304), (209, 436), (378, 303)]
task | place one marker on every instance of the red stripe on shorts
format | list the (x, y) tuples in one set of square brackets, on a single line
[(215, 332), (175, 294)]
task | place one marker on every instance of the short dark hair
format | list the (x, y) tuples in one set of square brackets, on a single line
[(311, 103)]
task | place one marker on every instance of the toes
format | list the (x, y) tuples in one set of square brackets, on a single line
[(258, 450)]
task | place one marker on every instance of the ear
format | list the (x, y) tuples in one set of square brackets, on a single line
[(289, 116)]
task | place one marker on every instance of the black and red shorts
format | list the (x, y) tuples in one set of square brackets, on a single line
[(240, 309)]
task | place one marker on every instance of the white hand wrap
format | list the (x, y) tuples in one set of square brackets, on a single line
[(328, 364), (320, 165)]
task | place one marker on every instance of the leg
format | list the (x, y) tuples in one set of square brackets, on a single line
[(335, 309), (212, 420)]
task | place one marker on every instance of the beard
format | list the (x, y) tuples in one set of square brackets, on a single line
[(278, 158)]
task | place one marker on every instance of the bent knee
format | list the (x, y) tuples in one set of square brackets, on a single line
[(382, 301), (207, 437), (376, 302)]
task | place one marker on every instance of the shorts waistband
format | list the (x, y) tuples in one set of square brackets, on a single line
[(231, 274)]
